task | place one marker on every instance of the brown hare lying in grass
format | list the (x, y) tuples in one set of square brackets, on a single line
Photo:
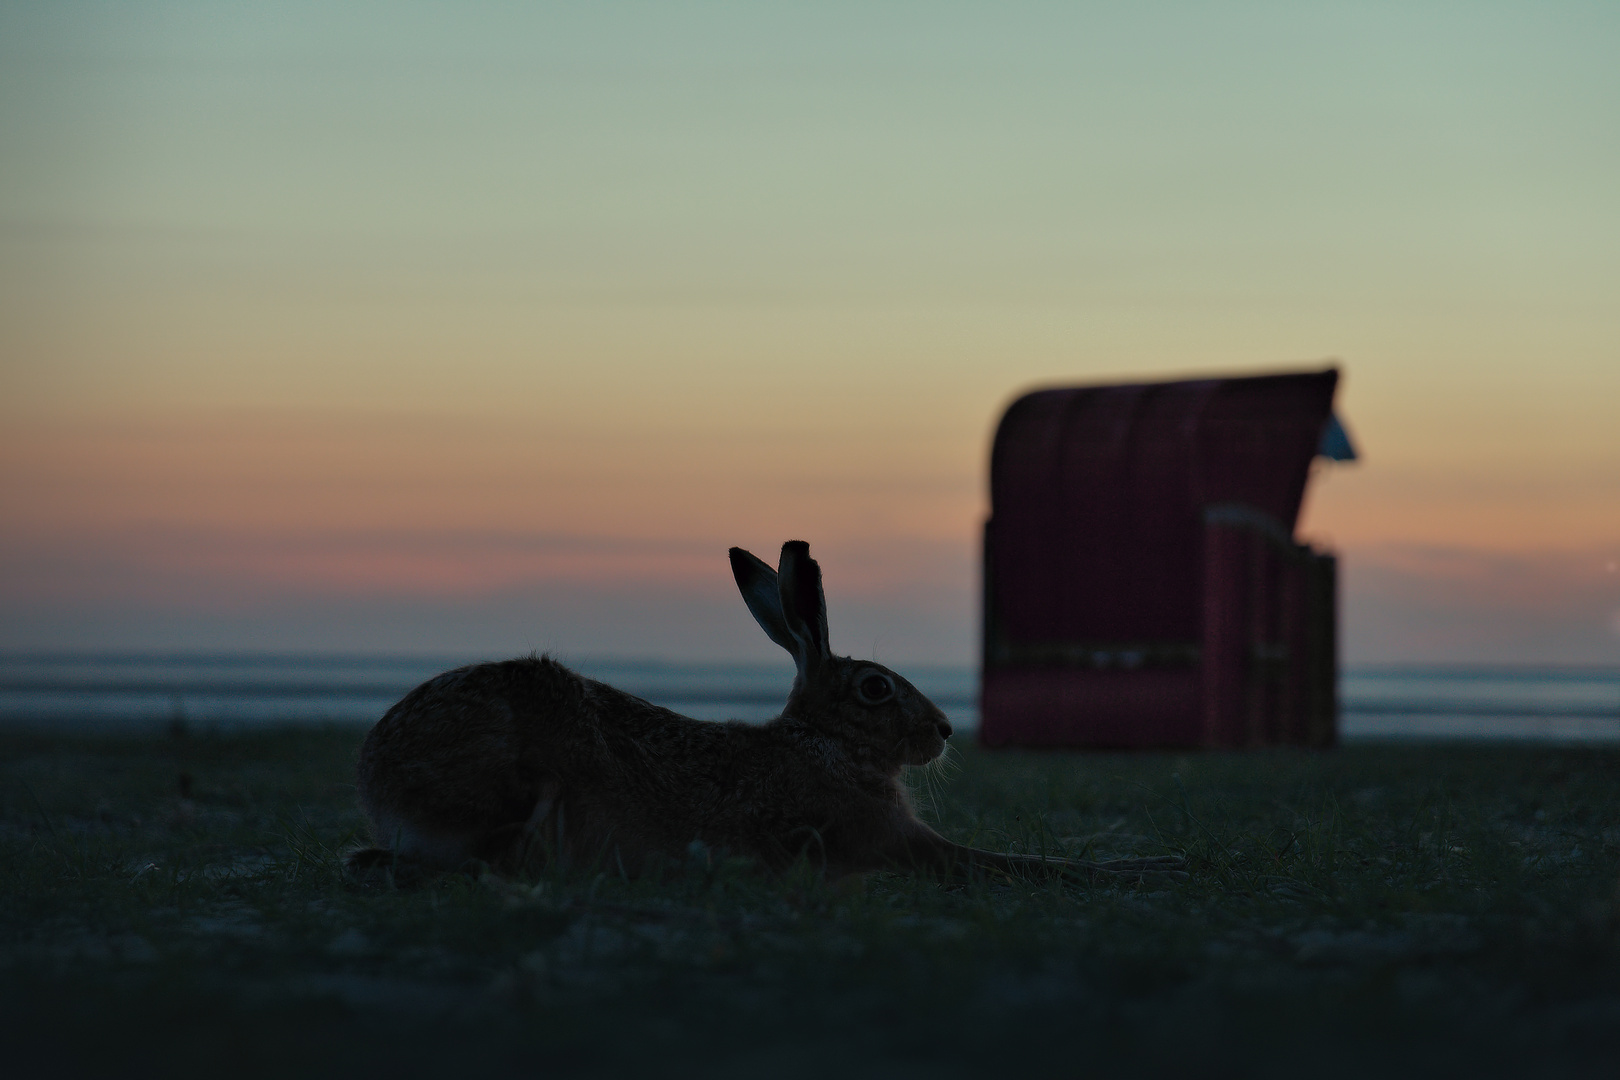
[(521, 761)]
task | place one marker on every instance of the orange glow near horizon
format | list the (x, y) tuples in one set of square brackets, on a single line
[(454, 307), (445, 503)]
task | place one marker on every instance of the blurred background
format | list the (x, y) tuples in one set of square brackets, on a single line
[(469, 329)]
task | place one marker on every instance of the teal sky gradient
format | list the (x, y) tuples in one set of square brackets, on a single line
[(694, 248)]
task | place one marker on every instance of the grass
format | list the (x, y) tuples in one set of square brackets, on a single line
[(175, 906)]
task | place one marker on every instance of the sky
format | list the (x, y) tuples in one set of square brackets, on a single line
[(477, 328)]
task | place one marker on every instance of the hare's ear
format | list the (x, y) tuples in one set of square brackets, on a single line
[(757, 582), (804, 607)]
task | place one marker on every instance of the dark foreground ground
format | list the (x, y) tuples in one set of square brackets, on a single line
[(175, 907)]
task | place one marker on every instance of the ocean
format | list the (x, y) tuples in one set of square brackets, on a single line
[(135, 691)]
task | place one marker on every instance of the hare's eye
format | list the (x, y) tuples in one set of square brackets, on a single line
[(874, 689)]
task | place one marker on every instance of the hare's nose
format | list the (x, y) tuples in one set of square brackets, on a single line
[(944, 728)]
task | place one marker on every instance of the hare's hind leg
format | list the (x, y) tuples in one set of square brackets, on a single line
[(385, 868), (408, 852), (537, 841)]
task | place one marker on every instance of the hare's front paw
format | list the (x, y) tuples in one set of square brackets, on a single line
[(1155, 869)]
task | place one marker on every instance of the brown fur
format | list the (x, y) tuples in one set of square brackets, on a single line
[(524, 761)]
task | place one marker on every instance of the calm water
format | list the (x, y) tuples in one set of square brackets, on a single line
[(233, 690)]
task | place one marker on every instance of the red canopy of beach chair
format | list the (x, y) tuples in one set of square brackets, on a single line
[(1142, 583)]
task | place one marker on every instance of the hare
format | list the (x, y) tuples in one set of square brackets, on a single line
[(506, 763)]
